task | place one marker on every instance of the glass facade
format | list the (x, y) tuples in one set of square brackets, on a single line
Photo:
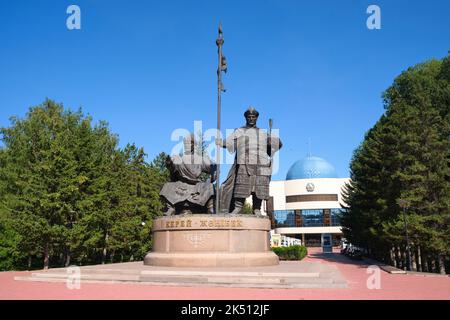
[(335, 216), (307, 218), (284, 218), (312, 218)]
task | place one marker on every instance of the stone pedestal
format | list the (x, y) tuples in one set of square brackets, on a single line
[(211, 241)]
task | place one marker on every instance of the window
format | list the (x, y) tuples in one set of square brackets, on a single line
[(312, 218), (307, 218), (335, 216), (284, 218)]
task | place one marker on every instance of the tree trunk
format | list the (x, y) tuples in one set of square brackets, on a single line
[(67, 259), (425, 267), (398, 258), (392, 257), (412, 253), (433, 265), (404, 260), (46, 256), (104, 249), (29, 261), (441, 264), (419, 259), (104, 255), (401, 262)]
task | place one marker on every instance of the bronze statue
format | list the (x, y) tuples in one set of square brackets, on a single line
[(252, 168), (187, 192)]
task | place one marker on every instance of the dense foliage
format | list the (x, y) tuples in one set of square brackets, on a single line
[(400, 173), (295, 252), (70, 195)]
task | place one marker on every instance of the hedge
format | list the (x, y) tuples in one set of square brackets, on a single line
[(291, 253)]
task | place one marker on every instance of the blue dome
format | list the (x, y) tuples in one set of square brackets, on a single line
[(310, 168)]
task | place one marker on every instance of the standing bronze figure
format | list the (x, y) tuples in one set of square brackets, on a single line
[(252, 168)]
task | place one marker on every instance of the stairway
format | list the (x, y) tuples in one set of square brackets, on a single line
[(288, 274)]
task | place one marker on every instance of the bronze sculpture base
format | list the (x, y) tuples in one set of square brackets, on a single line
[(222, 240)]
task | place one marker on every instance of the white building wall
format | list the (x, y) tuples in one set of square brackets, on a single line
[(280, 189), (277, 191), (308, 230)]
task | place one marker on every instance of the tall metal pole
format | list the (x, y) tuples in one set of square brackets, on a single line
[(220, 68)]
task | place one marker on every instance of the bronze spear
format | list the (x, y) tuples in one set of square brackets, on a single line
[(221, 67)]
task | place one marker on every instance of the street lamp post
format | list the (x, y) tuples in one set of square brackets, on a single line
[(404, 205)]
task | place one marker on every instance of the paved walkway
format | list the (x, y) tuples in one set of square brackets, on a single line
[(409, 286)]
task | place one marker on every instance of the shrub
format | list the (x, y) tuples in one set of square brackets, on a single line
[(291, 253)]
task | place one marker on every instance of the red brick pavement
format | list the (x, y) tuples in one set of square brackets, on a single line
[(392, 287)]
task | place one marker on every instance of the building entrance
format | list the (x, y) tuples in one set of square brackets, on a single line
[(313, 240)]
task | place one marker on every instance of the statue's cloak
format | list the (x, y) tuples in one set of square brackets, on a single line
[(179, 191), (226, 190)]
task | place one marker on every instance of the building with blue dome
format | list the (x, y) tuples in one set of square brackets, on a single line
[(311, 167), (307, 205)]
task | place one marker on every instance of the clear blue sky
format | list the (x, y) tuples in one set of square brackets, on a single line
[(148, 67)]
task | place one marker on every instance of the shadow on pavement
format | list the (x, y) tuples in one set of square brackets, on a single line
[(337, 258)]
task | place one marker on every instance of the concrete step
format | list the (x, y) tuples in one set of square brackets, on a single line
[(87, 276), (235, 279), (285, 275), (90, 271), (299, 285), (391, 269), (162, 278), (231, 273)]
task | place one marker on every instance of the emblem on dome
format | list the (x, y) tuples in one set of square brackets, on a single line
[(310, 187)]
